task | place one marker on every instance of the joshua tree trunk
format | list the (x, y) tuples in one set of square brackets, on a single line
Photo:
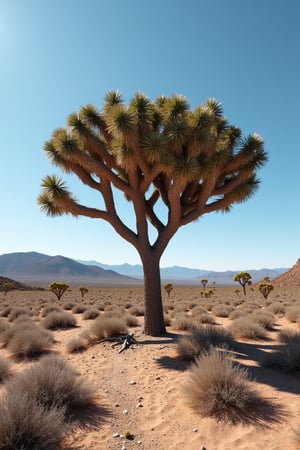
[(154, 318)]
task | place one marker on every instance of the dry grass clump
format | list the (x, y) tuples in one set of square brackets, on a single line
[(76, 344), (217, 387), (90, 314), (3, 325), (276, 308), (26, 424), (79, 309), (5, 312), (263, 318), (17, 312), (182, 323), (287, 358), (56, 320), (27, 342), (236, 314), (68, 306), (49, 309), (221, 310), (293, 314), (200, 340), (104, 327), (131, 320), (197, 310), (205, 318), (136, 310), (53, 383), (5, 368), (245, 328)]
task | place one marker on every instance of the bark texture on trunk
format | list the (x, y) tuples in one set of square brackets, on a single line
[(154, 324)]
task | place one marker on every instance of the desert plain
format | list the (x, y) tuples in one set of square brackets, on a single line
[(140, 402)]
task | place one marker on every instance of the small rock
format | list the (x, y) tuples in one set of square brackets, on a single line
[(125, 411), (132, 382), (195, 430), (139, 405), (157, 378), (117, 404), (115, 435)]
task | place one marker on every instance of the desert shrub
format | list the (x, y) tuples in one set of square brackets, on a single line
[(56, 320), (68, 306), (105, 327), (79, 309), (5, 368), (76, 344), (221, 310), (3, 325), (17, 312), (6, 311), (204, 318), (136, 310), (131, 320), (26, 424), (113, 312), (292, 314), (100, 306), (286, 358), (263, 318), (217, 387), (90, 314), (243, 327), (276, 308), (49, 309), (236, 313), (182, 323), (27, 342), (52, 382), (200, 340), (197, 310)]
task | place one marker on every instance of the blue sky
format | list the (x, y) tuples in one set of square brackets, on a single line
[(57, 55)]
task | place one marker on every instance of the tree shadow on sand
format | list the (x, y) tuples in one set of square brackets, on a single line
[(260, 413), (275, 378)]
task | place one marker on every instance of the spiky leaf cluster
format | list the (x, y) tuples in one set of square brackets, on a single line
[(191, 159)]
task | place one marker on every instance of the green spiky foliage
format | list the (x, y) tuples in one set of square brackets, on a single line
[(265, 288), (83, 290), (244, 278), (173, 163)]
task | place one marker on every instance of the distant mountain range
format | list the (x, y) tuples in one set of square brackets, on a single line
[(37, 268)]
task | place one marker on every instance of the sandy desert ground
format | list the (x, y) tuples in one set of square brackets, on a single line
[(140, 388)]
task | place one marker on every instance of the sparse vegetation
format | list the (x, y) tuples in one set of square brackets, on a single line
[(56, 320), (244, 279), (217, 387), (58, 288)]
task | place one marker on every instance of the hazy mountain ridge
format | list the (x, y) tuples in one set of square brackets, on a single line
[(188, 274), (39, 268), (36, 268)]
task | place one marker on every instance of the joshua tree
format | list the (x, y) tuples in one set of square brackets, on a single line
[(168, 288), (7, 286), (172, 163), (244, 278), (58, 288), (83, 291), (204, 283), (265, 288)]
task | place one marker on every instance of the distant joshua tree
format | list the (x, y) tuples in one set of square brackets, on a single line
[(168, 288), (83, 291), (58, 288), (7, 287), (244, 278), (265, 288), (204, 283)]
